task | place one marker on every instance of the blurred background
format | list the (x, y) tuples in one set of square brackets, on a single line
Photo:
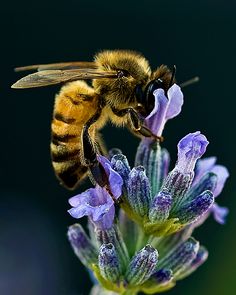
[(197, 36)]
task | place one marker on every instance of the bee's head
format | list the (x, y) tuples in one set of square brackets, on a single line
[(163, 78), (132, 69)]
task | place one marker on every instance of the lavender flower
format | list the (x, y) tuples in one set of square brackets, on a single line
[(95, 203), (165, 108), (149, 246)]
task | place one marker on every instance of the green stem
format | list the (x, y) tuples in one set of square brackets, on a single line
[(142, 239), (130, 292)]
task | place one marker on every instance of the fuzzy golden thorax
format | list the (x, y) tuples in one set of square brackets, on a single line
[(120, 92)]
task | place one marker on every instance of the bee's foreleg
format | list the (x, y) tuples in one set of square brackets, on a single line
[(148, 133), (136, 123)]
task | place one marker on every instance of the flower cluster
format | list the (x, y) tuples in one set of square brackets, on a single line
[(147, 244)]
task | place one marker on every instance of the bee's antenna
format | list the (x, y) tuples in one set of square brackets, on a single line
[(189, 82), (172, 76)]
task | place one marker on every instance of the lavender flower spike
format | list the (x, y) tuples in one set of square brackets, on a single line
[(165, 108), (95, 203)]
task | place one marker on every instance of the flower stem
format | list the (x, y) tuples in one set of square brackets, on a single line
[(130, 292)]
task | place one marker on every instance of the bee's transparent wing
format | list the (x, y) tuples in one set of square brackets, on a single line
[(52, 77), (58, 66)]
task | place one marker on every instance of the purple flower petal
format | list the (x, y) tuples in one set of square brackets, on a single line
[(115, 180), (208, 165), (155, 121), (203, 166), (165, 108), (107, 219), (176, 100), (82, 198), (190, 149), (219, 213), (222, 174), (95, 203)]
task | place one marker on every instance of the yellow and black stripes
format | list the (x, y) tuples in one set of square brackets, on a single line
[(74, 106)]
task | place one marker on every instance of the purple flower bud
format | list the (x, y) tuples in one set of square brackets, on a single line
[(82, 245), (113, 236), (156, 162), (139, 193), (180, 257), (120, 164), (207, 182), (190, 148), (193, 210), (108, 262), (201, 257), (219, 213), (160, 207), (142, 266), (177, 184), (115, 180), (165, 108), (162, 276), (95, 203)]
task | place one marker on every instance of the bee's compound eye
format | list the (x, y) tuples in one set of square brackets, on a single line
[(122, 73)]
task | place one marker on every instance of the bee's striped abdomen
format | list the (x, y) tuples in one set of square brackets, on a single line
[(74, 106)]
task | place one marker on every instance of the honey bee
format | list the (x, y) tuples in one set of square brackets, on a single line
[(122, 92)]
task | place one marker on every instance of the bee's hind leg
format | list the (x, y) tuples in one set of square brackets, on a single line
[(90, 152)]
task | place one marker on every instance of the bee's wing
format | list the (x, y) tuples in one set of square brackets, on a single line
[(51, 77), (58, 66)]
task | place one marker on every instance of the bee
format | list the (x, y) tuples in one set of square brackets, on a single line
[(121, 91)]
